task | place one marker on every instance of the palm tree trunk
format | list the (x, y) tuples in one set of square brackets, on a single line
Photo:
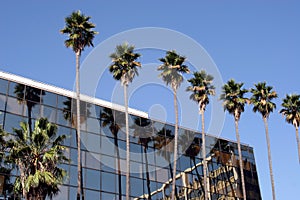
[(298, 142), (78, 124), (204, 156), (127, 144), (175, 145), (240, 157), (269, 157), (147, 174)]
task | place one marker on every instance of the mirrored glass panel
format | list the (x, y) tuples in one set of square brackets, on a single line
[(3, 86)]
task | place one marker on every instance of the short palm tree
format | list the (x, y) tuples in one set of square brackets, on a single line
[(37, 155), (124, 68), (172, 68), (79, 29), (201, 88), (291, 111), (234, 103), (262, 96)]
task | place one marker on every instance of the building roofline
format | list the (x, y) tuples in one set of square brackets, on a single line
[(68, 93), (92, 100)]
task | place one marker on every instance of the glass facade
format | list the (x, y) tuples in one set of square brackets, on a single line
[(151, 149)]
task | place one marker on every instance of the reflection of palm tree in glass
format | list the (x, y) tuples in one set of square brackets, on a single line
[(191, 147), (162, 142), (143, 131), (5, 186), (29, 96), (70, 115), (223, 153), (107, 118)]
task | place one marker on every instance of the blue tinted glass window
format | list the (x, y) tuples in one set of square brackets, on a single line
[(49, 99), (92, 179), (3, 86), (2, 102), (16, 90)]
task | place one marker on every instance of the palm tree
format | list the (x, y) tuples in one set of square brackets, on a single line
[(124, 69), (30, 97), (234, 103), (80, 33), (107, 118), (37, 155), (291, 111), (171, 73), (262, 96), (201, 88)]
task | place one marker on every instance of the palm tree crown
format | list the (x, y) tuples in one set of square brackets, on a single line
[(291, 109), (201, 88), (172, 68), (124, 67), (233, 97), (262, 96), (37, 155), (79, 30)]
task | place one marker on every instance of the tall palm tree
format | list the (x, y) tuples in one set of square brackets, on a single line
[(172, 68), (107, 118), (124, 69), (37, 155), (234, 103), (291, 111), (79, 29), (201, 88), (261, 99)]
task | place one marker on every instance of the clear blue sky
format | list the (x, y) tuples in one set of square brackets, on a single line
[(249, 41)]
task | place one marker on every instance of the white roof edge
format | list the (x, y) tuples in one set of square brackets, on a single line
[(68, 93)]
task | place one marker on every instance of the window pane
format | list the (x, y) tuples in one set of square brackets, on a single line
[(2, 102), (108, 182), (49, 113), (92, 160), (63, 117), (93, 125), (89, 194), (138, 189), (49, 99), (3, 86), (61, 101), (92, 179), (14, 106), (12, 121), (16, 90), (91, 141)]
